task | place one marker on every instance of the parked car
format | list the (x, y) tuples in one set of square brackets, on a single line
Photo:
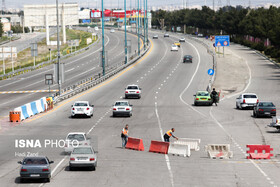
[(174, 47), (178, 44), (155, 37), (83, 157), (166, 35), (247, 100), (202, 98), (275, 122), (187, 58), (82, 108), (122, 108), (35, 168), (133, 91), (75, 139), (264, 109), (112, 30), (182, 40)]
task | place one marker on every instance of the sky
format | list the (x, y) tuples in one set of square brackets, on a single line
[(133, 3)]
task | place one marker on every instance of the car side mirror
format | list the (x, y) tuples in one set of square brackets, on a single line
[(92, 105), (95, 151), (140, 88), (51, 162), (20, 162), (71, 105), (194, 95), (130, 105)]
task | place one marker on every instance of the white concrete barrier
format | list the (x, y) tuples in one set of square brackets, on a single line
[(191, 142), (219, 151), (179, 149)]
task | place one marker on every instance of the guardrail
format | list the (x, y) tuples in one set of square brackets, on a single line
[(94, 80), (30, 68)]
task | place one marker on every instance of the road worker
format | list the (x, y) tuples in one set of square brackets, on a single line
[(124, 136), (168, 134)]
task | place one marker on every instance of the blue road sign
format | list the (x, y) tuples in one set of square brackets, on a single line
[(222, 41), (210, 71)]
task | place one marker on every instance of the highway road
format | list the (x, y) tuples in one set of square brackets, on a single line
[(167, 86), (77, 68)]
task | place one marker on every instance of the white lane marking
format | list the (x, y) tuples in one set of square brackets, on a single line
[(166, 156), (69, 70), (196, 70)]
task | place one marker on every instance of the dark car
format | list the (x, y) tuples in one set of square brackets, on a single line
[(264, 109), (35, 168), (187, 58)]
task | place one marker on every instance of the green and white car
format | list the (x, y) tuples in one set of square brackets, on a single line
[(202, 98)]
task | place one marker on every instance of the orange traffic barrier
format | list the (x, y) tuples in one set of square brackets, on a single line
[(14, 116), (159, 147), (135, 144), (259, 152)]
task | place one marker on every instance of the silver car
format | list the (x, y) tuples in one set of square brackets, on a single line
[(83, 157), (82, 108), (75, 139), (122, 108), (132, 91), (35, 168)]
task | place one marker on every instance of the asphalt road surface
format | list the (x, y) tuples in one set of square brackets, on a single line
[(167, 86), (77, 68)]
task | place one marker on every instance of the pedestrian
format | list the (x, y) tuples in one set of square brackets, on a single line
[(124, 136), (168, 134), (214, 96)]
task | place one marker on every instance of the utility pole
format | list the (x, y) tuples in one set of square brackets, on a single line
[(125, 42), (144, 2), (58, 49), (147, 22), (214, 5), (103, 46), (138, 29)]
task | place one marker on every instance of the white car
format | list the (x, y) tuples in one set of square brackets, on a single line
[(174, 47), (82, 108), (75, 139), (182, 40), (132, 91), (155, 37), (112, 30), (166, 35), (247, 100), (96, 28), (122, 108), (83, 157)]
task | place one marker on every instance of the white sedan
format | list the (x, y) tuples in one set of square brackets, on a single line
[(122, 108), (133, 91), (182, 40), (82, 108), (174, 47), (112, 30), (75, 139)]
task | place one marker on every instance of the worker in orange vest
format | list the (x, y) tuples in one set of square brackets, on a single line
[(168, 134), (124, 136)]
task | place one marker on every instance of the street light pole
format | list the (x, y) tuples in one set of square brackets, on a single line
[(147, 21), (125, 43), (138, 29), (103, 46), (144, 2), (58, 50)]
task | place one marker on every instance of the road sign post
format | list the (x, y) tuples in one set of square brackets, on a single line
[(222, 41)]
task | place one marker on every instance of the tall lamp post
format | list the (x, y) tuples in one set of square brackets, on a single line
[(147, 26), (103, 46), (58, 49), (125, 42), (138, 22), (144, 2)]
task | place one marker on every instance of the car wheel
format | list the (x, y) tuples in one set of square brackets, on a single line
[(195, 104), (93, 168), (70, 168), (22, 180), (254, 114), (237, 107), (47, 179)]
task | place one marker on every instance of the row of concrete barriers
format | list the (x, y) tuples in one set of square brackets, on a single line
[(30, 109), (184, 146)]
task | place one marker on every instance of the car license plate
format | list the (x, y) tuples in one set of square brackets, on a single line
[(82, 158), (34, 175), (267, 113), (203, 99), (79, 109)]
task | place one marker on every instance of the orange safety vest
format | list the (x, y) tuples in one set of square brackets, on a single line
[(125, 132), (169, 133)]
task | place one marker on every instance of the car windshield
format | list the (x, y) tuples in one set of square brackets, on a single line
[(250, 96), (35, 161), (174, 45), (82, 150), (121, 104), (188, 57), (78, 137), (132, 87), (80, 104), (266, 104), (203, 94)]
